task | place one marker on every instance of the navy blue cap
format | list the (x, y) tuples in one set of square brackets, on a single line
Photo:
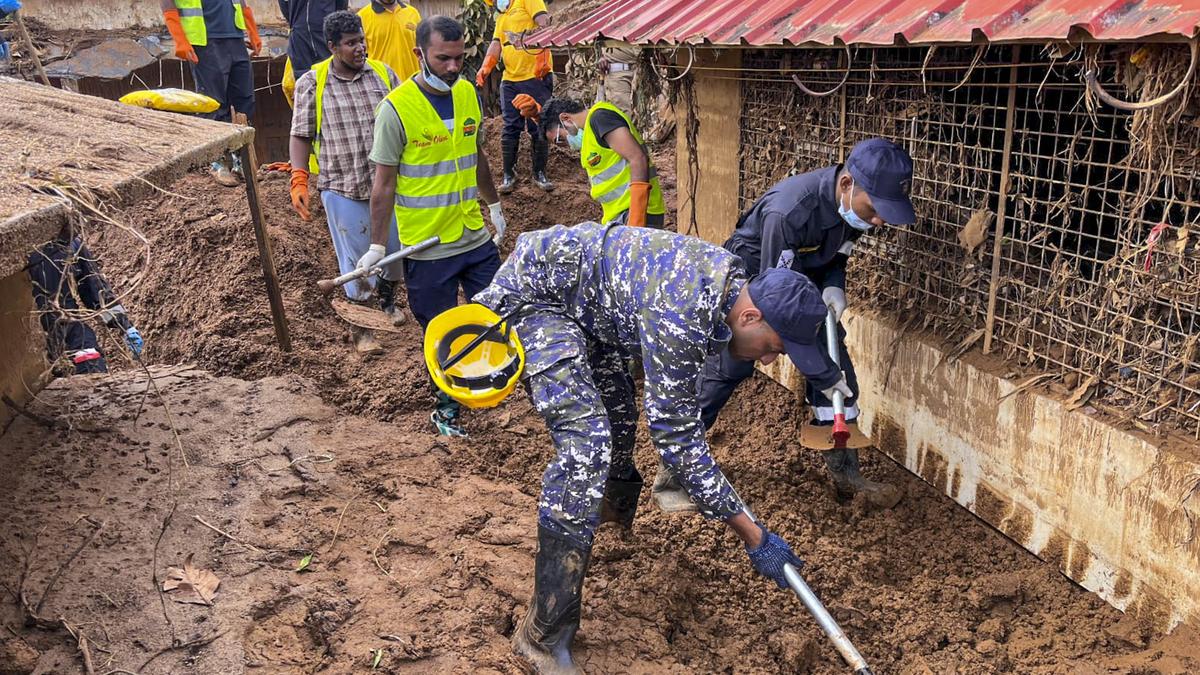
[(791, 305), (885, 171)]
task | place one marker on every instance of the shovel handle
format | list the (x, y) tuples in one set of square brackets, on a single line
[(841, 432), (326, 286)]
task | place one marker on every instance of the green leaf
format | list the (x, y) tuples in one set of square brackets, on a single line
[(378, 658), (304, 563)]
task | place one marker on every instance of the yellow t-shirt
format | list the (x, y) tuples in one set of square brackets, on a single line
[(391, 37), (518, 63)]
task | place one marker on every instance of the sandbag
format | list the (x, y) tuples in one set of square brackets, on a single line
[(172, 100)]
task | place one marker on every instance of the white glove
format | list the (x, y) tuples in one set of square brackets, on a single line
[(498, 222), (372, 256), (835, 299), (841, 386)]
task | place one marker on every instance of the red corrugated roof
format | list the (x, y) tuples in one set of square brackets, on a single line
[(872, 22)]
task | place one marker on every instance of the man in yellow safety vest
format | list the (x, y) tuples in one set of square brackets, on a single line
[(611, 150), (209, 34), (430, 171), (332, 133)]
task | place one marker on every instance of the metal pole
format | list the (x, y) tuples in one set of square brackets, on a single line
[(327, 285), (841, 432)]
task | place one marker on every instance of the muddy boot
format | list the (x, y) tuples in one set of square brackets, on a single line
[(446, 417), (223, 175), (849, 481), (387, 301), (621, 499), (365, 343), (668, 494), (541, 153), (544, 636), (508, 154)]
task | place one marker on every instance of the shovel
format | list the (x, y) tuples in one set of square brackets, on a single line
[(326, 286), (841, 432)]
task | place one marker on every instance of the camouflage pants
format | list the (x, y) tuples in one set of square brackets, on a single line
[(584, 392)]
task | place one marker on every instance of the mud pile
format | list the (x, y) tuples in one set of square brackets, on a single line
[(423, 546)]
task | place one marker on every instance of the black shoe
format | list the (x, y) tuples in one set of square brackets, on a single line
[(621, 499), (540, 180), (848, 480), (548, 628), (507, 184)]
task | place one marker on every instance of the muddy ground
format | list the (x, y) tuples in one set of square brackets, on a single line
[(422, 547)]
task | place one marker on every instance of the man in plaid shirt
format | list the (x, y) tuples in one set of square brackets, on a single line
[(332, 132)]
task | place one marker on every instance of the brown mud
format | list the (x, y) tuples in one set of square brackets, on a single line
[(422, 547)]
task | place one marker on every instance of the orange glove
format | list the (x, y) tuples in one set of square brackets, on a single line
[(183, 48), (252, 30), (489, 64), (639, 198), (541, 67), (529, 107), (300, 193), (278, 166)]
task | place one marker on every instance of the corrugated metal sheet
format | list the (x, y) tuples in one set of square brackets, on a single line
[(872, 22)]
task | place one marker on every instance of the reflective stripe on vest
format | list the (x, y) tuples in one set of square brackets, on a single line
[(608, 172), (321, 73), (191, 19), (436, 189)]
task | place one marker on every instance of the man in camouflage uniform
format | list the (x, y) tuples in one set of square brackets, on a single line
[(590, 296)]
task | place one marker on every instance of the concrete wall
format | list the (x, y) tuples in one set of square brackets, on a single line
[(1115, 511), (24, 349)]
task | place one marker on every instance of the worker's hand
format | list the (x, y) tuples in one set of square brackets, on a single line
[(527, 105), (256, 43), (841, 386), (183, 48), (639, 199), (604, 64), (300, 193), (770, 557), (371, 257), (489, 64), (134, 339), (541, 66), (498, 222), (835, 299)]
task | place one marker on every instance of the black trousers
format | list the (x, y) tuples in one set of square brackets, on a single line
[(224, 73)]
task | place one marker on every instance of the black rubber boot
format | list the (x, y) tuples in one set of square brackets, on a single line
[(544, 636), (848, 480), (621, 499), (508, 155), (541, 153)]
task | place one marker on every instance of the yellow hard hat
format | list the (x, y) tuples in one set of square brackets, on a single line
[(488, 370)]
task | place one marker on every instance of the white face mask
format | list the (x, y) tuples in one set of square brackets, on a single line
[(435, 82), (850, 216), (502, 6)]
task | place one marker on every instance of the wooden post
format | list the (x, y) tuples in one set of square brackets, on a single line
[(265, 255), (1002, 207), (37, 61)]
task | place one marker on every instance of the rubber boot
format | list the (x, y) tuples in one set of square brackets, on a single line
[(508, 154), (544, 636), (848, 480), (541, 153), (365, 342), (621, 499), (668, 494), (447, 416), (387, 301)]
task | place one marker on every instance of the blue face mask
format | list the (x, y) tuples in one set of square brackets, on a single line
[(575, 140), (851, 217), (435, 82), (502, 6)]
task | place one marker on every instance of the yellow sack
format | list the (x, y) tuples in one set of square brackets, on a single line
[(172, 100)]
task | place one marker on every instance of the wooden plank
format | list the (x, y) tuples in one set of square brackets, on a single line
[(1001, 207), (37, 61), (266, 256)]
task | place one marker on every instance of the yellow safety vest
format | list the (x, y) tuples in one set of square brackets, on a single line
[(608, 171), (191, 17), (436, 189), (321, 71)]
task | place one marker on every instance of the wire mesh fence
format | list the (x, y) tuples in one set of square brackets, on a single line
[(1051, 229)]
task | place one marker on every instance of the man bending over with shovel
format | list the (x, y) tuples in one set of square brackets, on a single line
[(587, 297)]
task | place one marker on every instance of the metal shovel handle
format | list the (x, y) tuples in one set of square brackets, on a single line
[(841, 432), (326, 286)]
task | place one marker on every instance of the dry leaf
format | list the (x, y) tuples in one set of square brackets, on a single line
[(194, 585), (975, 232), (1082, 394)]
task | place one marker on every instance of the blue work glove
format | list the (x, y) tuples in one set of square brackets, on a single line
[(770, 557), (134, 339)]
